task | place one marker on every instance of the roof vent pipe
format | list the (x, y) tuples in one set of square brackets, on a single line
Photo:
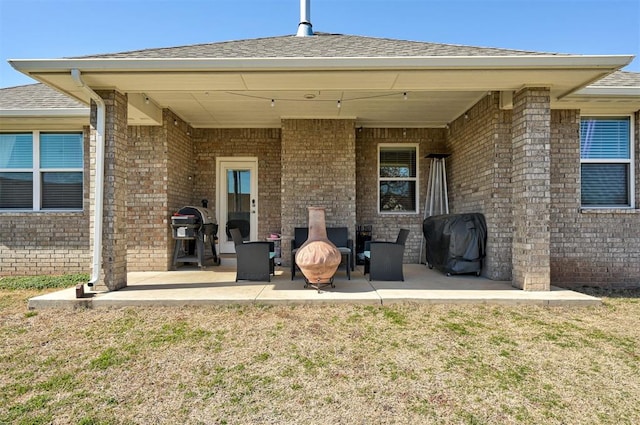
[(304, 27)]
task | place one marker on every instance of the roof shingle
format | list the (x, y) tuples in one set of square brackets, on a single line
[(321, 45), (36, 96), (619, 79)]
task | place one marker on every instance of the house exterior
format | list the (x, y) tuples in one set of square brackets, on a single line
[(544, 145)]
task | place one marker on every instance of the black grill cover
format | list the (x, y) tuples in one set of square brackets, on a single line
[(456, 243)]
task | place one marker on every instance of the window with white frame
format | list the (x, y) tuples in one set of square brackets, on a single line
[(398, 178), (606, 154), (41, 171)]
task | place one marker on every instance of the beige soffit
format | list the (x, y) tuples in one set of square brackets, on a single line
[(242, 86)]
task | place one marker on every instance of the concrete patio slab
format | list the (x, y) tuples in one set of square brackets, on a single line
[(217, 285), (357, 290), (423, 285)]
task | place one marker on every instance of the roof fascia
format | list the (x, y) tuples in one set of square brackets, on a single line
[(613, 62)]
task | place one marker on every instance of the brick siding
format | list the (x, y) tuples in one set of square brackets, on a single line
[(173, 166), (48, 242), (531, 132), (386, 226), (588, 247), (160, 161), (318, 169), (479, 177), (51, 243), (330, 163), (114, 241), (264, 144)]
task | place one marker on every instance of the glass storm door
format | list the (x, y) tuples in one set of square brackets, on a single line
[(237, 200)]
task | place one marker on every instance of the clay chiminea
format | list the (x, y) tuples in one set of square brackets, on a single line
[(318, 258)]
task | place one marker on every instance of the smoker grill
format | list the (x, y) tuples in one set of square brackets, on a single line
[(194, 228)]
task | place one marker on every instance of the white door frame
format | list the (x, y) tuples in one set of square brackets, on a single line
[(230, 163)]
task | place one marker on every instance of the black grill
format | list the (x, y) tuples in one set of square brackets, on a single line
[(194, 228)]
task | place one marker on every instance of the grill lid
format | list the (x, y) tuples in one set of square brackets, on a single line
[(204, 214)]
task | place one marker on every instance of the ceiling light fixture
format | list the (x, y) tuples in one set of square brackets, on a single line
[(339, 104), (404, 95), (273, 103)]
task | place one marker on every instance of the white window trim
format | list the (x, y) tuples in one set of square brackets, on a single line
[(631, 162), (416, 178), (37, 187), (37, 173)]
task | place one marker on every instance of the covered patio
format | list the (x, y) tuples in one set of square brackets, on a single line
[(216, 285), (326, 120)]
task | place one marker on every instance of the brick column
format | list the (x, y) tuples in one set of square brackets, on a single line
[(531, 178), (114, 239)]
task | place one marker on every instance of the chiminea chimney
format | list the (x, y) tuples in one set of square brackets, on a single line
[(304, 27)]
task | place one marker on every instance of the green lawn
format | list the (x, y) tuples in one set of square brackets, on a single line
[(342, 364)]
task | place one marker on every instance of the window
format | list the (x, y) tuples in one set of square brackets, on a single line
[(398, 178), (41, 171), (606, 162)]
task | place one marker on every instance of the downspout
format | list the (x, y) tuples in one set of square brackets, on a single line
[(99, 182)]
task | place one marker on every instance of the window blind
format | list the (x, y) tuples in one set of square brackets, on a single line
[(605, 184), (60, 150), (62, 190), (16, 190), (604, 138), (397, 190), (16, 150), (397, 162)]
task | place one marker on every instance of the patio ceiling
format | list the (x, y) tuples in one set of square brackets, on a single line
[(241, 93)]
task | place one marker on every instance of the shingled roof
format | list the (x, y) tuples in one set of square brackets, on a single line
[(619, 79), (321, 45), (36, 96)]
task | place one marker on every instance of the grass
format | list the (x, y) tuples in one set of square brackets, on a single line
[(339, 364), (42, 282)]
